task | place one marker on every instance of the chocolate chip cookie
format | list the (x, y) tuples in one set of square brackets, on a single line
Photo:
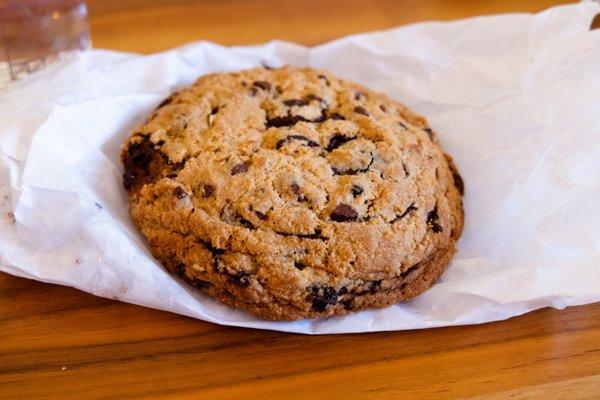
[(293, 194)]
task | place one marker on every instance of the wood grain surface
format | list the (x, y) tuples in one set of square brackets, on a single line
[(60, 343)]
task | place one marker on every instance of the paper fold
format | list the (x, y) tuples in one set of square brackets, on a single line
[(515, 99)]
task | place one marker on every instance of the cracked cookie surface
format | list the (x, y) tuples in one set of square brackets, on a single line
[(291, 193)]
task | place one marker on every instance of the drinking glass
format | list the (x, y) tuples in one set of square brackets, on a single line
[(35, 33)]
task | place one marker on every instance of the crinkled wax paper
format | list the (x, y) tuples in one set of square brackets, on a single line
[(515, 99)]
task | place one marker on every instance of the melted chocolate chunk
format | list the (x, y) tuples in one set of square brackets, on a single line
[(179, 192), (264, 85), (458, 182), (138, 164), (338, 140), (360, 110), (344, 213), (321, 297), (281, 142), (343, 290), (239, 168), (299, 265), (382, 108), (356, 190), (432, 220), (295, 102), (291, 120)]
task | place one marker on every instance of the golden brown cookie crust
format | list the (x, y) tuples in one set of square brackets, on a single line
[(291, 193)]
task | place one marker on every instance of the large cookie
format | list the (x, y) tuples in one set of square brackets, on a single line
[(291, 193)]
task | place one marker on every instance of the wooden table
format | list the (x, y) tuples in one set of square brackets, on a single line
[(57, 342)]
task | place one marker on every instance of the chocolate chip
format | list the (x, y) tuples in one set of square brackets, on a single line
[(281, 142), (410, 208), (299, 265), (403, 126), (260, 215), (317, 235), (356, 190), (242, 279), (167, 101), (337, 171), (338, 117), (180, 269), (295, 102), (214, 110), (239, 168), (344, 213), (179, 192), (374, 286), (207, 190), (295, 189), (253, 91), (321, 297), (382, 108), (347, 303), (410, 269), (360, 110), (358, 95), (343, 290), (199, 283), (406, 172), (311, 97), (264, 85), (324, 78), (432, 220), (338, 140), (245, 223), (210, 247), (458, 182), (430, 133)]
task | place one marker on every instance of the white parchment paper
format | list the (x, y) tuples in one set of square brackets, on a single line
[(515, 99)]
